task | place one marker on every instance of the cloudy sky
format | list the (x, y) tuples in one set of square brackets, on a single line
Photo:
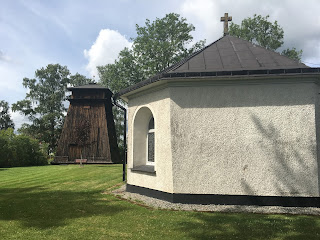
[(82, 34)]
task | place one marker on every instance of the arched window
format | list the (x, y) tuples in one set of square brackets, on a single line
[(144, 140), (150, 145)]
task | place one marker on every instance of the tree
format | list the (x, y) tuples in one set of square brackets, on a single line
[(261, 31), (163, 42), (19, 150), (292, 53), (5, 118), (158, 45), (44, 103), (122, 73), (79, 80)]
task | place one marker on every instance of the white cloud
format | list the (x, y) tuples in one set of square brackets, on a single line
[(4, 57), (43, 12), (11, 80), (105, 49), (18, 119), (203, 15)]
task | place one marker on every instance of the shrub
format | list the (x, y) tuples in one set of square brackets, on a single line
[(19, 150)]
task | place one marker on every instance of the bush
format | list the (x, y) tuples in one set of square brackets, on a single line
[(19, 150)]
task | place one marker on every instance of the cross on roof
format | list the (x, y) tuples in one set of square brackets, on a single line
[(226, 19)]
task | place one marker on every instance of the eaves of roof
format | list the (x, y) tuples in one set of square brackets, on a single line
[(228, 56)]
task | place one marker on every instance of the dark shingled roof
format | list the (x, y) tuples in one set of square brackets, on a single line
[(233, 54), (228, 56)]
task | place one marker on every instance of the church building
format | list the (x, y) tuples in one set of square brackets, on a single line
[(233, 123)]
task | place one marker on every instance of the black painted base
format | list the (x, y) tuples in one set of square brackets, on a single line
[(227, 199)]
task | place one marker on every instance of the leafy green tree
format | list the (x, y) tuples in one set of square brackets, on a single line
[(261, 31), (292, 53), (5, 118), (79, 80), (163, 42), (124, 72), (44, 103), (6, 136), (19, 150), (158, 45)]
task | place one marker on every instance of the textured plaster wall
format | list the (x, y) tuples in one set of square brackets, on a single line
[(244, 139), (159, 104)]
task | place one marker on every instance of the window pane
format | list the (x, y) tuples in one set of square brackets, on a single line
[(151, 147), (151, 124)]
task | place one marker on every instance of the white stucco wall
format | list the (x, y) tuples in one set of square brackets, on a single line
[(159, 103), (245, 139)]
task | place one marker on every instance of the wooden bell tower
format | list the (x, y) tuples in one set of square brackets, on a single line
[(89, 131)]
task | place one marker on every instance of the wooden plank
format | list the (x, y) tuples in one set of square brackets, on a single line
[(81, 160)]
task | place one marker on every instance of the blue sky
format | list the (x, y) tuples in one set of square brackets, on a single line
[(83, 34)]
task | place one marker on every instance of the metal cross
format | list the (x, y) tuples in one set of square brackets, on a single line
[(225, 19)]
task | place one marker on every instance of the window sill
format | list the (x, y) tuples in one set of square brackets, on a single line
[(144, 169)]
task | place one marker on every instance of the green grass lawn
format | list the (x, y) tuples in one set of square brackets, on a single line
[(69, 202)]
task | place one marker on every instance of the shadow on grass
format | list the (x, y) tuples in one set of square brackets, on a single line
[(39, 208), (251, 226), (2, 169)]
